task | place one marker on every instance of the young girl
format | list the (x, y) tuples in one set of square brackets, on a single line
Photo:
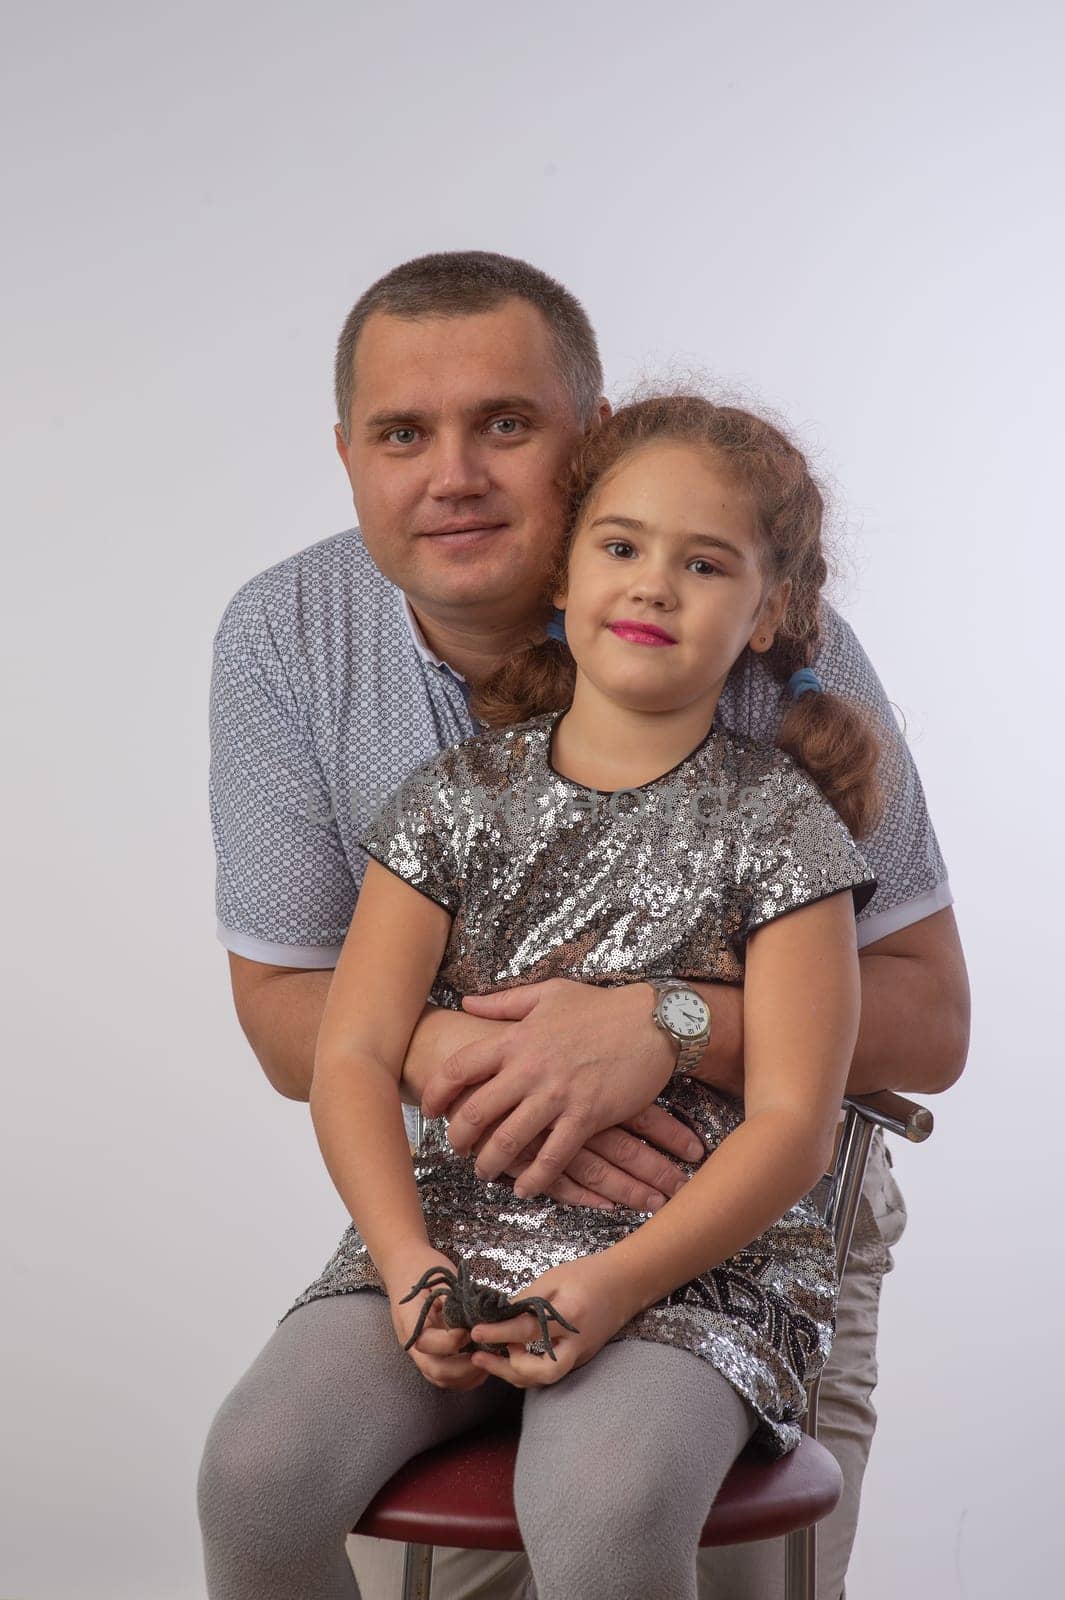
[(606, 829)]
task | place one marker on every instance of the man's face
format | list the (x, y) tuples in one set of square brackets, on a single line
[(461, 428)]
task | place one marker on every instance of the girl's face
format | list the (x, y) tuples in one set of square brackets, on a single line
[(668, 540)]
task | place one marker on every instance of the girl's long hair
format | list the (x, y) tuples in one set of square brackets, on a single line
[(833, 738)]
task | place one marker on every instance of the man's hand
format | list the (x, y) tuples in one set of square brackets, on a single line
[(579, 1065), (615, 1167)]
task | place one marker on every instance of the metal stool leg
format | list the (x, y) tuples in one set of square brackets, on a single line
[(417, 1571), (800, 1548), (800, 1564)]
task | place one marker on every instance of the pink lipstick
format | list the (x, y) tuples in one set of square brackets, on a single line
[(641, 632)]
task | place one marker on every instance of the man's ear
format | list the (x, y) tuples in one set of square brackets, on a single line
[(604, 409), (344, 452)]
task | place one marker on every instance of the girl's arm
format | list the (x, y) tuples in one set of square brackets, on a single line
[(801, 1007), (386, 968)]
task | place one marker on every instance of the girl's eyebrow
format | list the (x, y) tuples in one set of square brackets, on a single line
[(634, 525)]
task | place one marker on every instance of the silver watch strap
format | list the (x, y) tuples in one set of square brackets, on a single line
[(689, 1051), (689, 1056)]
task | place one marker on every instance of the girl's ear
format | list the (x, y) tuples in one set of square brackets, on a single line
[(770, 616)]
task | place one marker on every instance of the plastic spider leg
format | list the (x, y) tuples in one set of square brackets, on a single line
[(434, 1294), (541, 1307), (441, 1274), (541, 1310)]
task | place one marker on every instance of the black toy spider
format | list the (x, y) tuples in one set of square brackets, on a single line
[(466, 1303)]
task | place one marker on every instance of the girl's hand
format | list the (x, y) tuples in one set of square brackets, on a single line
[(588, 1293), (436, 1352)]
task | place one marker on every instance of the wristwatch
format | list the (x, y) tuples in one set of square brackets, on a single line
[(682, 1013)]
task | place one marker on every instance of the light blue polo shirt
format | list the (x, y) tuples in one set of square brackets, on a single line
[(325, 696)]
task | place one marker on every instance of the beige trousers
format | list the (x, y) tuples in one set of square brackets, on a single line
[(846, 1423)]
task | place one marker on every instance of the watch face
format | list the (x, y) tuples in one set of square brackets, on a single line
[(685, 1013)]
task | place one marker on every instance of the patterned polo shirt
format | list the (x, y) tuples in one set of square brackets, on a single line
[(325, 696)]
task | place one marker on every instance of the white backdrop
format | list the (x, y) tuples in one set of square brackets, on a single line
[(851, 210)]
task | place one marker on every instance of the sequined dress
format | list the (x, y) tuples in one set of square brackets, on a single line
[(545, 877)]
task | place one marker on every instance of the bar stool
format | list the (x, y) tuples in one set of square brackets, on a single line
[(460, 1494)]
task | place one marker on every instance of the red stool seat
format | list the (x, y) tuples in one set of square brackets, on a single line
[(461, 1494)]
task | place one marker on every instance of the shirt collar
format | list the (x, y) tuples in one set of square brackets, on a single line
[(418, 639), (556, 628)]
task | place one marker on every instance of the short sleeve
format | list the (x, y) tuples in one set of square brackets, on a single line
[(413, 834), (284, 890), (902, 849), (795, 850)]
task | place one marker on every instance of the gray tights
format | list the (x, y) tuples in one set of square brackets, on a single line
[(618, 1465)]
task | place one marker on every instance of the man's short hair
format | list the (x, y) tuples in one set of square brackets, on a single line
[(459, 283)]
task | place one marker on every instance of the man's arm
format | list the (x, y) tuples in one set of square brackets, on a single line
[(914, 1033), (280, 1010)]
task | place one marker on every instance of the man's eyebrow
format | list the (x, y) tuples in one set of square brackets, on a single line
[(634, 525), (404, 419), (507, 402), (392, 419)]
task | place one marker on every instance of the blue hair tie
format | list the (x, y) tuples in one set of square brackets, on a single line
[(556, 628), (806, 678)]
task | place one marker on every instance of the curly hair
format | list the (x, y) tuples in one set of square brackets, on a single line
[(834, 739)]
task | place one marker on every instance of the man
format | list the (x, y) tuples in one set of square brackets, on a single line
[(463, 382)]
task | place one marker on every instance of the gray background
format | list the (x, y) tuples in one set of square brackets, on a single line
[(850, 211)]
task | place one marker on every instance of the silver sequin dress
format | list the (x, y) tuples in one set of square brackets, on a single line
[(545, 878)]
